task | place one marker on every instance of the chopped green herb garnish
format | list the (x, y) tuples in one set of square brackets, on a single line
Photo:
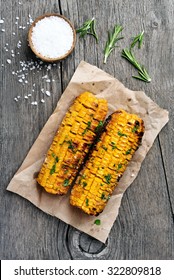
[(121, 134), (104, 148), (79, 182), (101, 184), (97, 222), (66, 183), (84, 184), (119, 166), (87, 201), (103, 196), (99, 126), (56, 159), (113, 146), (53, 169), (135, 128), (128, 151), (98, 140), (108, 178), (71, 145), (88, 127)]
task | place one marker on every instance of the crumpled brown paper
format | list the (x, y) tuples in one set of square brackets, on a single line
[(88, 78)]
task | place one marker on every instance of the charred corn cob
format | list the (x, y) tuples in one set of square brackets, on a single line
[(71, 143), (109, 158)]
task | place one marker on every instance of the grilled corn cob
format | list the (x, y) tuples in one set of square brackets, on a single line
[(71, 143), (97, 180)]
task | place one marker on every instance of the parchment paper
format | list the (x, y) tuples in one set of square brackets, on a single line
[(88, 78)]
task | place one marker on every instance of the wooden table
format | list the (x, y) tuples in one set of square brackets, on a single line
[(144, 228)]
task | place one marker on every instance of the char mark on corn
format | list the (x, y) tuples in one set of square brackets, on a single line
[(72, 143), (109, 158)]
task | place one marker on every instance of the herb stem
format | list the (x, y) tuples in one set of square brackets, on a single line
[(112, 40), (143, 74)]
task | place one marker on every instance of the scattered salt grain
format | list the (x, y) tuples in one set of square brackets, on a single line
[(47, 93), (26, 97), (1, 21), (45, 77), (34, 103), (132, 175), (52, 37), (3, 30), (19, 44), (22, 27), (29, 94), (42, 100), (48, 81), (20, 80), (30, 19), (9, 61), (14, 33)]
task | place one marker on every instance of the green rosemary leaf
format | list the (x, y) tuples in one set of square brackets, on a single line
[(138, 39), (112, 40), (88, 28), (143, 74)]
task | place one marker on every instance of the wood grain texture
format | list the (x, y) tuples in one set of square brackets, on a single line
[(144, 228)]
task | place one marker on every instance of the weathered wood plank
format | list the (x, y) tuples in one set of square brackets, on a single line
[(144, 228), (132, 241), (25, 231)]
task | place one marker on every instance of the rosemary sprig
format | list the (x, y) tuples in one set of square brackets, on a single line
[(88, 28), (143, 74), (112, 40), (138, 39)]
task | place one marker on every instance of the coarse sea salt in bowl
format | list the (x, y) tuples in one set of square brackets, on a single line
[(52, 37)]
